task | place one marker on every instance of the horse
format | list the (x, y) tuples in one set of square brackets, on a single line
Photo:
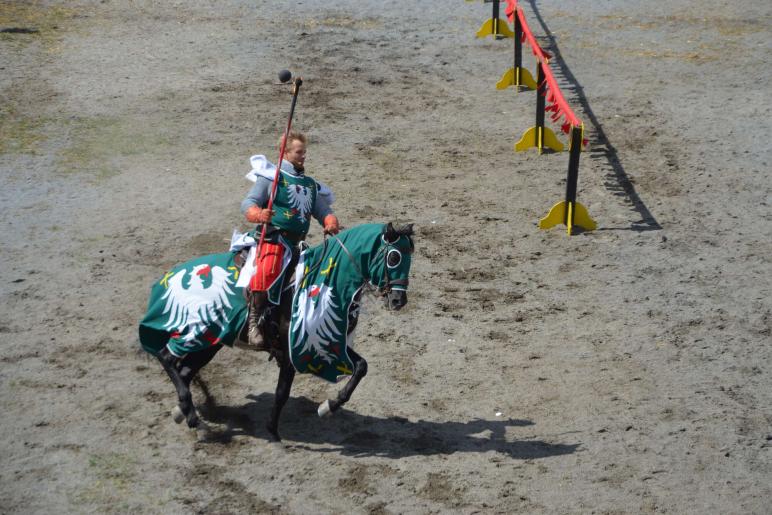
[(198, 307)]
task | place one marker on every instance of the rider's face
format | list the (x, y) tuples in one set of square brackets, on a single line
[(295, 153)]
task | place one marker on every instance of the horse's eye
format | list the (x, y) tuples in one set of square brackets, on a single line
[(393, 258)]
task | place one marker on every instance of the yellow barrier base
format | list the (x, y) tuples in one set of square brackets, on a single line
[(557, 215), (495, 27), (545, 137), (516, 77)]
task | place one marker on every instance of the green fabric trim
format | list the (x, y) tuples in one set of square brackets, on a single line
[(326, 280), (195, 305), (294, 202)]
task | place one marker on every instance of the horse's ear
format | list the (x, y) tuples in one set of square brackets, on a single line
[(389, 233), (407, 230)]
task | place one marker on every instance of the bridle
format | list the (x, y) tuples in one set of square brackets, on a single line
[(383, 253)]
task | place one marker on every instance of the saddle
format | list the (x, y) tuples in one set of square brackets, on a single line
[(269, 319)]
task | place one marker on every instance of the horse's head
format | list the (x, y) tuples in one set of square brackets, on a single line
[(390, 270)]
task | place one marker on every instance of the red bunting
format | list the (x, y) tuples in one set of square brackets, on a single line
[(540, 54), (558, 105), (510, 10)]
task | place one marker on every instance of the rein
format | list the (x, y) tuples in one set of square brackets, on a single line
[(388, 283), (381, 254), (365, 280)]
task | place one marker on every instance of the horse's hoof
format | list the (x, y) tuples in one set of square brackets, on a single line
[(204, 433), (177, 415), (193, 420), (325, 409)]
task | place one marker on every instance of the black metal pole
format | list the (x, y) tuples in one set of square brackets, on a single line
[(573, 171), (518, 47), (541, 91), (495, 17)]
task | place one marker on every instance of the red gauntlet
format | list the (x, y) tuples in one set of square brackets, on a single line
[(331, 225), (257, 215)]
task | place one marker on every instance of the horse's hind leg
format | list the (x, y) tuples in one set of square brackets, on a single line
[(181, 371), (170, 364), (360, 370), (192, 363)]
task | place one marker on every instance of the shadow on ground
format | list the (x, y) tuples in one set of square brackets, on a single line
[(617, 181), (352, 434)]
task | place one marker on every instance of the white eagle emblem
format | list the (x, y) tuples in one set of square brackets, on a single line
[(191, 310), (316, 319), (300, 198)]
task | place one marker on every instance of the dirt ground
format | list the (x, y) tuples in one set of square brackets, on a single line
[(623, 370)]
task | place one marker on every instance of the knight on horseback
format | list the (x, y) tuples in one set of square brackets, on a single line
[(298, 198)]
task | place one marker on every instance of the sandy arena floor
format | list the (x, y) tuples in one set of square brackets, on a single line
[(623, 370)]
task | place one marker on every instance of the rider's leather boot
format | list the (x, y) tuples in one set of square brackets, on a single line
[(257, 303)]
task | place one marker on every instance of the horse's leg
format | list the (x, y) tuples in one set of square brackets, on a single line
[(188, 367), (283, 387), (193, 362), (360, 370), (170, 364)]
